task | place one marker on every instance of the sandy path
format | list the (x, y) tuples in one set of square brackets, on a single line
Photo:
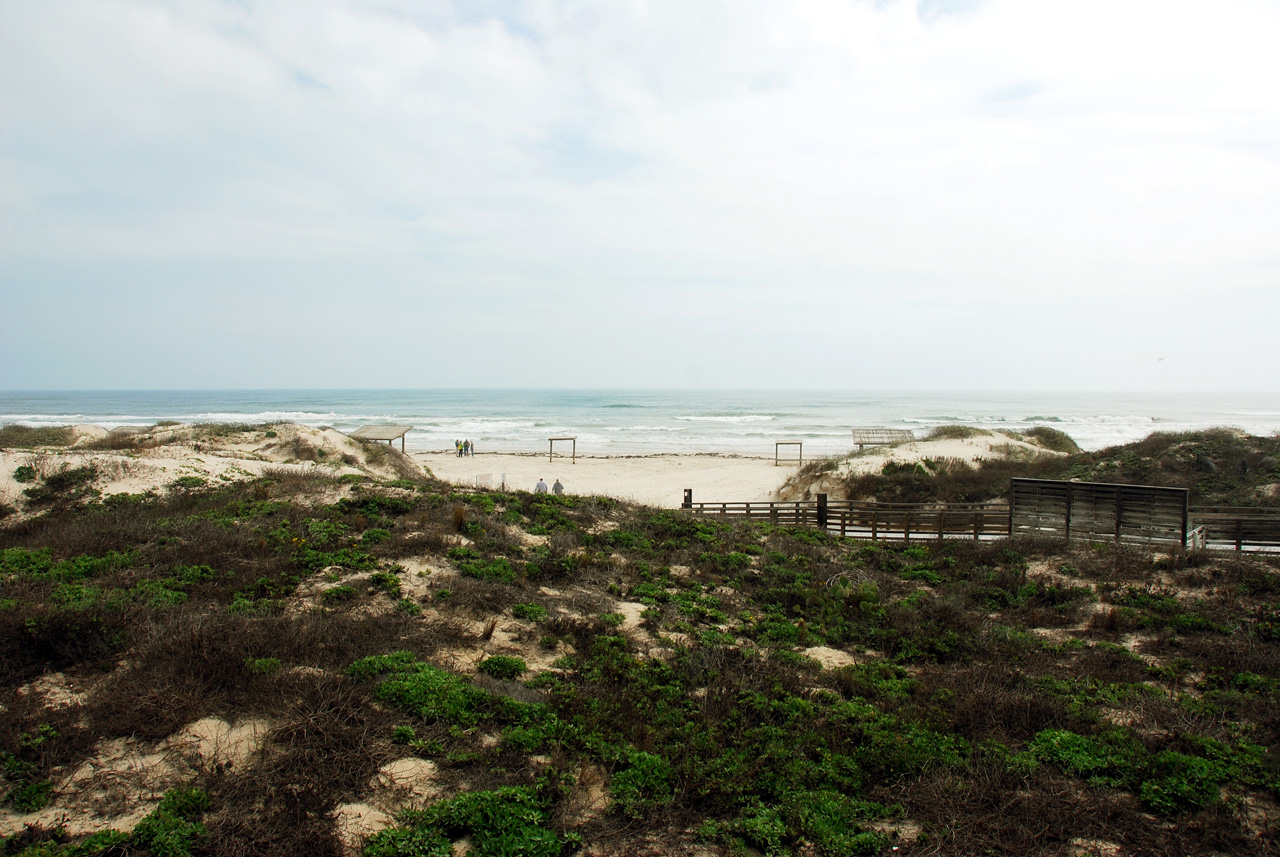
[(658, 480)]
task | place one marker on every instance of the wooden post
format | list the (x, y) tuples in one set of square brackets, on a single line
[(1119, 512), (1070, 497), (1184, 524), (1012, 495), (942, 517), (688, 499), (773, 513), (1239, 534), (822, 511), (874, 522), (906, 528), (976, 526)]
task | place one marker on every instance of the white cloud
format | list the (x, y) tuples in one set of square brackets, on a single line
[(804, 161)]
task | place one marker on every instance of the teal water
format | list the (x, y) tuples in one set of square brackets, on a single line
[(609, 422)]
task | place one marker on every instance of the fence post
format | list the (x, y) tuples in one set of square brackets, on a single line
[(874, 521), (1185, 522), (1119, 512), (688, 498), (822, 511), (906, 528), (1239, 534), (942, 518), (976, 514), (1071, 493), (1013, 496)]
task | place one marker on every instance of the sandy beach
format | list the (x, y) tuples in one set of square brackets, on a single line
[(173, 453), (660, 480), (656, 480)]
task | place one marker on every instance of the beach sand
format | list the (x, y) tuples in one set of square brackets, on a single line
[(656, 480)]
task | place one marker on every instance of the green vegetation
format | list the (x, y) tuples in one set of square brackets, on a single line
[(65, 486), (505, 821), (174, 829), (956, 433), (994, 697), (1053, 439), (503, 667), (529, 612), (427, 691), (470, 563), (15, 436)]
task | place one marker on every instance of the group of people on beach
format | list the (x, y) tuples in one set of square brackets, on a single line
[(541, 487), (464, 447)]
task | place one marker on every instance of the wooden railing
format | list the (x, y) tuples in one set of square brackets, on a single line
[(1237, 528), (876, 521), (909, 521), (1210, 527), (795, 514)]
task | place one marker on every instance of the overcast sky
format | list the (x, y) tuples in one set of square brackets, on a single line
[(942, 194)]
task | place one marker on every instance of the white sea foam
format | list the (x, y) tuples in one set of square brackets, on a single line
[(747, 422)]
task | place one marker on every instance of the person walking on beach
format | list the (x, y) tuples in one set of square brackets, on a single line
[(558, 488), (466, 447), (541, 487), (457, 447)]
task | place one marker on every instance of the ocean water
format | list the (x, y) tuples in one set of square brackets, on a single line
[(619, 422)]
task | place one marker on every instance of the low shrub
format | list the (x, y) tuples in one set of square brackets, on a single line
[(529, 612), (502, 667), (506, 821), (471, 564), (1053, 439), (427, 691)]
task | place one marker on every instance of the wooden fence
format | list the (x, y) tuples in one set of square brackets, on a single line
[(876, 521), (1094, 511), (909, 521), (1052, 510)]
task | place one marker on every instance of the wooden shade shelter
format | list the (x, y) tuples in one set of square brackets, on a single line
[(797, 443), (387, 433), (573, 455), (881, 436)]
